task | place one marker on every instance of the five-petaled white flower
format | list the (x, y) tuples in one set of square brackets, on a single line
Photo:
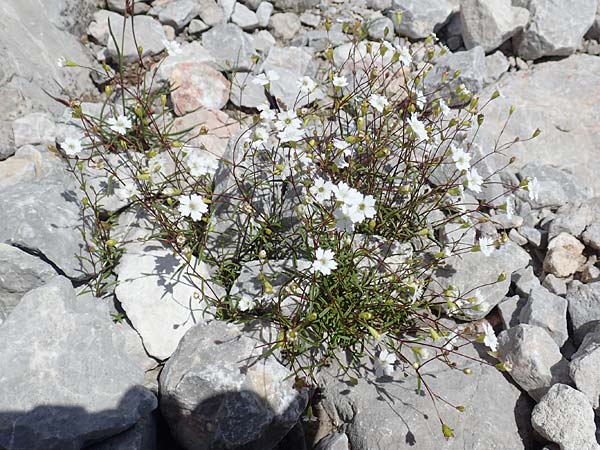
[(345, 194), (489, 337), (361, 208), (461, 159), (324, 262), (266, 78), (321, 190), (172, 47), (290, 134), (266, 113), (405, 56), (340, 82), (201, 163), (384, 364), (418, 127), (192, 206), (245, 303), (486, 245), (119, 124), (343, 222), (474, 180), (71, 145), (379, 102), (306, 85), (533, 188)]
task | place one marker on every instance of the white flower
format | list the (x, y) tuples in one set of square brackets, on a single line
[(346, 194), (172, 47), (474, 180), (379, 102), (489, 337), (461, 159), (384, 364), (120, 124), (421, 100), (418, 127), (192, 206), (533, 188), (266, 113), (306, 85), (324, 262), (245, 303), (340, 82), (486, 245), (446, 111), (510, 207), (260, 137), (266, 78), (462, 89), (201, 163), (287, 119), (405, 56), (71, 146), (321, 190), (290, 134), (61, 61), (361, 207)]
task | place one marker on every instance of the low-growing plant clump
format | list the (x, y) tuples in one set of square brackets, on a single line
[(337, 205)]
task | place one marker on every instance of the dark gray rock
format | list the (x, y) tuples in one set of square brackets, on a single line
[(142, 436), (335, 441), (217, 394), (70, 383)]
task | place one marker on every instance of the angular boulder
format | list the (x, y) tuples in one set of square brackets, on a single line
[(217, 394), (419, 18), (68, 382)]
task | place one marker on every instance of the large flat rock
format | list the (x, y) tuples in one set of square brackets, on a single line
[(562, 98)]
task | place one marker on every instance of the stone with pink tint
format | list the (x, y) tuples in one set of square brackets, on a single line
[(197, 85)]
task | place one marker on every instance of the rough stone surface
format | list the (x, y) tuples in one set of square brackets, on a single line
[(556, 186), (197, 85), (584, 306), (34, 128), (555, 285), (471, 65), (33, 35), (210, 130), (215, 393), (496, 65), (21, 272), (572, 218), (420, 18), (489, 23), (537, 363), (211, 13), (178, 13), (584, 366), (142, 436), (149, 34), (139, 6), (245, 93), (524, 281), (565, 256), (245, 18), (471, 270), (335, 441), (591, 236), (284, 25), (510, 311), (381, 28), (70, 383), (548, 311), (43, 218), (560, 98), (230, 46), (393, 416), (295, 5), (555, 27), (161, 304), (564, 416)]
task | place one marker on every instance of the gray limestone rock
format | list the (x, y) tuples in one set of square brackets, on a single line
[(564, 416), (534, 359), (178, 13), (217, 393), (584, 366), (245, 18), (584, 307), (149, 35), (555, 27), (496, 65), (70, 383), (44, 219), (230, 47), (548, 311), (285, 25), (489, 23), (419, 18), (471, 65), (396, 415)]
